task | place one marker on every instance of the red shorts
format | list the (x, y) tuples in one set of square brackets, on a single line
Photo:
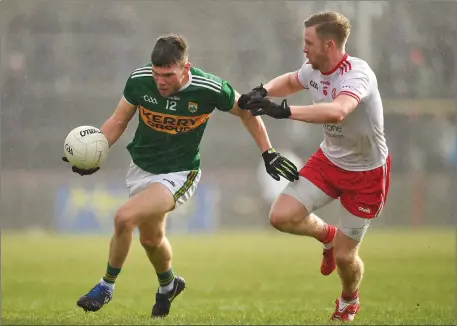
[(361, 193)]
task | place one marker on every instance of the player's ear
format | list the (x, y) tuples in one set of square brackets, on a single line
[(187, 67), (330, 44)]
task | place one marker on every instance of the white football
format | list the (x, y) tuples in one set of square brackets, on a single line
[(86, 147)]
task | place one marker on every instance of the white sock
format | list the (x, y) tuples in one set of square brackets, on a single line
[(110, 285), (328, 245), (356, 300), (167, 288)]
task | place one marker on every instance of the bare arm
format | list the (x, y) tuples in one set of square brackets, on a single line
[(254, 125), (332, 112), (115, 126), (283, 85), (276, 165)]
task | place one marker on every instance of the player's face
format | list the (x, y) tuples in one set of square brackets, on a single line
[(315, 48), (170, 79)]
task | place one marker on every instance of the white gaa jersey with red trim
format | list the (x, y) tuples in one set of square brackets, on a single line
[(358, 142)]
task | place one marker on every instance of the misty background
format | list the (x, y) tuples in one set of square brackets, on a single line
[(65, 64)]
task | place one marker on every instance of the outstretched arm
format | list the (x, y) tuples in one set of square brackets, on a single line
[(112, 129), (332, 112), (275, 164), (355, 88), (115, 126), (284, 85), (254, 125)]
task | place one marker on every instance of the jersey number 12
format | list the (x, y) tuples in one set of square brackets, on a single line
[(171, 105)]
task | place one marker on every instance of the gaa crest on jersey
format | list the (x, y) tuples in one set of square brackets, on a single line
[(193, 107)]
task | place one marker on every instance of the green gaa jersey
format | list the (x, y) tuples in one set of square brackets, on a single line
[(170, 129)]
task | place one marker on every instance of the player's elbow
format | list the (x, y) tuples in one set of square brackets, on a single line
[(245, 116), (340, 112), (336, 116)]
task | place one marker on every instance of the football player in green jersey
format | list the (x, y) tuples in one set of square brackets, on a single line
[(174, 101)]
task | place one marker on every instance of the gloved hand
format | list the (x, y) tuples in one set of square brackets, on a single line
[(277, 165), (257, 92), (81, 172), (260, 106)]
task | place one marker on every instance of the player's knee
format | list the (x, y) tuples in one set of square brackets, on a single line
[(284, 215), (124, 219), (281, 219), (278, 219), (151, 241)]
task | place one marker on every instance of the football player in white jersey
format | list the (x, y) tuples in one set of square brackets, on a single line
[(352, 163)]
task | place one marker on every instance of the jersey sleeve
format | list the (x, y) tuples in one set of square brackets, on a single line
[(355, 83), (303, 73), (226, 97), (129, 92)]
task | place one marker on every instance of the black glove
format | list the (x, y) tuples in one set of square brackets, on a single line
[(81, 172), (278, 165), (258, 92), (259, 106)]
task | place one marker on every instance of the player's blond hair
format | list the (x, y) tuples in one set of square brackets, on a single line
[(330, 25)]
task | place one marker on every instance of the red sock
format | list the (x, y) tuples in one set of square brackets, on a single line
[(351, 297), (328, 233)]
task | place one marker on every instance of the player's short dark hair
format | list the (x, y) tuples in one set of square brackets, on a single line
[(330, 25), (169, 50)]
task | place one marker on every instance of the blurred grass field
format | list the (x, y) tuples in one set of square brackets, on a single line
[(232, 278)]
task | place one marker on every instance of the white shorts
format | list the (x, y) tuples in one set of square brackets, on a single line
[(313, 198), (182, 184)]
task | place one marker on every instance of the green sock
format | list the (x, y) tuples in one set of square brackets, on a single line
[(166, 277), (111, 274)]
